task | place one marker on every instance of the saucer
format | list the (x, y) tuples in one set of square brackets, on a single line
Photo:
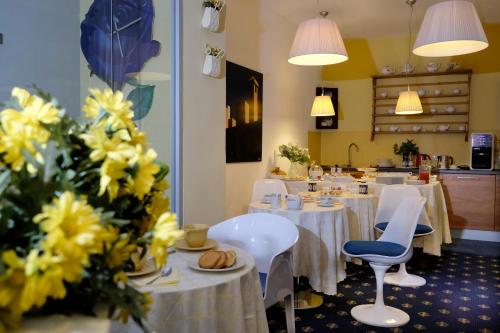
[(148, 268), (181, 244)]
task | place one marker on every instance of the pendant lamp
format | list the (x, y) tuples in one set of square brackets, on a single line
[(450, 28), (408, 101), (322, 106), (318, 42)]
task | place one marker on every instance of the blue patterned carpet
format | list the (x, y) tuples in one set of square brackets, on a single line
[(462, 294)]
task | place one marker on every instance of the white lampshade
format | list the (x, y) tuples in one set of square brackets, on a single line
[(322, 106), (408, 103), (450, 28), (317, 42)]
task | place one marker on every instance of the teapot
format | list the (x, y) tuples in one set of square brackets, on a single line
[(433, 67), (407, 68), (450, 109), (294, 202), (387, 70), (443, 128)]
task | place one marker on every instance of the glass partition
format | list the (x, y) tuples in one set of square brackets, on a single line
[(66, 47)]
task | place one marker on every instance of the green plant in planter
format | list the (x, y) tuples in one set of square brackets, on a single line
[(406, 148)]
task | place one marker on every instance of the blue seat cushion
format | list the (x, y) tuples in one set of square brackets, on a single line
[(387, 249), (263, 277), (421, 228)]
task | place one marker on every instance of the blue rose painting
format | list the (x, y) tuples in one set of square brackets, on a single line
[(116, 40)]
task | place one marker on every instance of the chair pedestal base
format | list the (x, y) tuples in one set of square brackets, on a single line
[(381, 316), (307, 300), (403, 279)]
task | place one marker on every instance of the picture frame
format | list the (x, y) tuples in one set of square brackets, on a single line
[(329, 122)]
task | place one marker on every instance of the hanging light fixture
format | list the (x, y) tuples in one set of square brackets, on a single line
[(318, 42), (450, 28), (408, 101), (322, 106)]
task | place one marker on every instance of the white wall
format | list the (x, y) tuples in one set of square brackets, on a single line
[(203, 105), (41, 46), (260, 39)]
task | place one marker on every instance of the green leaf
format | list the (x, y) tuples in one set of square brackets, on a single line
[(4, 180), (142, 97), (164, 170)]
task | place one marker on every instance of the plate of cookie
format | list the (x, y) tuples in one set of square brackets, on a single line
[(217, 261)]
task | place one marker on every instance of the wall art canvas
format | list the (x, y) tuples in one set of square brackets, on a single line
[(117, 41), (244, 89), (329, 122)]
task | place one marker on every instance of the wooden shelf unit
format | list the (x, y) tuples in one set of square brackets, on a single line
[(456, 79)]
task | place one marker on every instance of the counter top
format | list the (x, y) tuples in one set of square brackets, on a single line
[(442, 171)]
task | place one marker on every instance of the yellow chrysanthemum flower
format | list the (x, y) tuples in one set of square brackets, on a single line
[(145, 169), (16, 137), (158, 205), (165, 233), (119, 110), (112, 170), (21, 129), (74, 232), (34, 109), (12, 281), (100, 143), (44, 278), (121, 251)]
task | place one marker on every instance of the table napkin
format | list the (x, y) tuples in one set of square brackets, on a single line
[(171, 279)]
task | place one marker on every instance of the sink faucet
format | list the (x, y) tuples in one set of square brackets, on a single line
[(349, 164)]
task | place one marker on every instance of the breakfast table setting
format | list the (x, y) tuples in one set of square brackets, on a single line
[(210, 287), (323, 229)]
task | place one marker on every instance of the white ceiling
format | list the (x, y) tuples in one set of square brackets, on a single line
[(371, 18)]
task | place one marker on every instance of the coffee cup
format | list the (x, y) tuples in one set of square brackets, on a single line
[(325, 200), (195, 234)]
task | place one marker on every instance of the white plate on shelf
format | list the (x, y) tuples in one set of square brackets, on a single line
[(193, 264)]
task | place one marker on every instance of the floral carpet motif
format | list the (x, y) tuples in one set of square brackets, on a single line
[(462, 294)]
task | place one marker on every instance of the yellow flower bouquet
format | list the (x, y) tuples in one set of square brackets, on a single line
[(76, 201)]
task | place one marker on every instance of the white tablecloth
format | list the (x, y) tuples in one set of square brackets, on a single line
[(318, 252), (361, 209), (205, 302), (437, 212)]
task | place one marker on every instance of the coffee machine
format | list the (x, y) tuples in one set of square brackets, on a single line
[(482, 151)]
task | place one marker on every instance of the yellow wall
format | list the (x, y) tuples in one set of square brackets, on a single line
[(355, 100)]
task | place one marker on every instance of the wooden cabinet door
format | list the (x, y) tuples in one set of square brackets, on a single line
[(497, 205), (470, 200)]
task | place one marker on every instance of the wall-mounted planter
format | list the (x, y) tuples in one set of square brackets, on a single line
[(212, 65), (210, 20)]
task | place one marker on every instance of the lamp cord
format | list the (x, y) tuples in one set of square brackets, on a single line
[(409, 43)]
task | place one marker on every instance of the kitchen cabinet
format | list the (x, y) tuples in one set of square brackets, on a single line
[(470, 199), (497, 205)]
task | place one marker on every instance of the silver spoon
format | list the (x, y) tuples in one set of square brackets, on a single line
[(166, 271)]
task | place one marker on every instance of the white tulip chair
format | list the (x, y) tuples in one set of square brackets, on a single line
[(269, 239), (390, 197), (393, 247)]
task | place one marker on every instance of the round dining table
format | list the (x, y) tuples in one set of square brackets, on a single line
[(192, 301), (318, 252)]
